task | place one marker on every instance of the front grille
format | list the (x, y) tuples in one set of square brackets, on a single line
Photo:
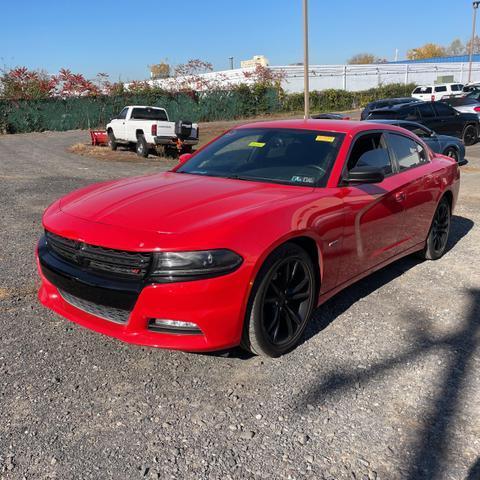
[(112, 314), (99, 259)]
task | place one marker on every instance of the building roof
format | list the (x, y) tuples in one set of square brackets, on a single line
[(449, 59)]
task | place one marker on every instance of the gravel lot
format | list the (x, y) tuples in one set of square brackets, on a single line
[(386, 384)]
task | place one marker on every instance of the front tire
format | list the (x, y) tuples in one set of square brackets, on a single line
[(438, 235), (142, 146), (281, 302)]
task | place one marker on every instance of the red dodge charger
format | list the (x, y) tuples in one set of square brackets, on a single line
[(241, 241)]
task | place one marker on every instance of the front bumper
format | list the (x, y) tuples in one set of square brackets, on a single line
[(216, 306)]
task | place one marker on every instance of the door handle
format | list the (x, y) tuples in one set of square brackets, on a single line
[(400, 196)]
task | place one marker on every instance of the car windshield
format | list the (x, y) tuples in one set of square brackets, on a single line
[(288, 156)]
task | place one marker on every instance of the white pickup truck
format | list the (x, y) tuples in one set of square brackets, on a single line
[(149, 127)]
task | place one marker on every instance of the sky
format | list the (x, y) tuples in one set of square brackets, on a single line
[(123, 37)]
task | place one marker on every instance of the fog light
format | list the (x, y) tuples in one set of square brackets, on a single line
[(173, 326)]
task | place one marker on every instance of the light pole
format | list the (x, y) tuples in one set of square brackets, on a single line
[(475, 6), (305, 60)]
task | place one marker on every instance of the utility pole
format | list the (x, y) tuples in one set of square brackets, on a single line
[(475, 7), (305, 60), (231, 62)]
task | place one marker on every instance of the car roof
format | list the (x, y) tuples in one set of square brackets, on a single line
[(440, 84), (344, 126), (397, 122), (144, 106)]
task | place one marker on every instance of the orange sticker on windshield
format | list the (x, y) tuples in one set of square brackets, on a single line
[(256, 144), (323, 138)]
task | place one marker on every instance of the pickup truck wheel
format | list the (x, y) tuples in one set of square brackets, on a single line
[(142, 147), (469, 135), (112, 142)]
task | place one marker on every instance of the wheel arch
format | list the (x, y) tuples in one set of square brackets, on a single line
[(449, 196), (139, 132), (303, 240)]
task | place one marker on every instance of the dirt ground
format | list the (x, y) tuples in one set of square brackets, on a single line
[(385, 385)]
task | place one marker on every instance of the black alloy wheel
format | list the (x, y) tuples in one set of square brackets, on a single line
[(438, 236), (469, 135), (283, 300)]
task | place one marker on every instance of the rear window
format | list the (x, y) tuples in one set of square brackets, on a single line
[(423, 90), (456, 87), (295, 157), (382, 114), (148, 114)]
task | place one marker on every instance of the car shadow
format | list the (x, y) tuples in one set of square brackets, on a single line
[(342, 301)]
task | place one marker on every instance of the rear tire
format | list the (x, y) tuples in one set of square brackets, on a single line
[(438, 235), (142, 146), (469, 136), (112, 142), (281, 302), (451, 152)]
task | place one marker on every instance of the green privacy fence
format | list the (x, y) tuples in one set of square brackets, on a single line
[(244, 101), (93, 112)]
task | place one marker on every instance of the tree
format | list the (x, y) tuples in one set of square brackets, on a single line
[(364, 59), (428, 50), (456, 47), (476, 45), (20, 83), (74, 84), (159, 70)]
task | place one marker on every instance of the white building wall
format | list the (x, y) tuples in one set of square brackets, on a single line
[(348, 77)]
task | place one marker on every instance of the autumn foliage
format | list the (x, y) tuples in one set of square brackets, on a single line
[(20, 83)]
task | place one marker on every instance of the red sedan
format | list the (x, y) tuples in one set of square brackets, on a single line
[(240, 242)]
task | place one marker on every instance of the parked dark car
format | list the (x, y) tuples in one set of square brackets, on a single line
[(438, 116), (450, 146), (385, 102), (330, 116)]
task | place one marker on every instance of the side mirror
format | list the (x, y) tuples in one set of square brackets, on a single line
[(365, 174)]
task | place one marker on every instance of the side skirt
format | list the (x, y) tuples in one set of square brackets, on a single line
[(327, 295)]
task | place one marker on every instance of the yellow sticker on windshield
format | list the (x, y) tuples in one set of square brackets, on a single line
[(256, 144), (323, 138)]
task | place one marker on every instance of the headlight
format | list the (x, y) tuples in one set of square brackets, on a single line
[(184, 266)]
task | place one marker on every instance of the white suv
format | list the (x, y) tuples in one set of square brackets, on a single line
[(437, 92)]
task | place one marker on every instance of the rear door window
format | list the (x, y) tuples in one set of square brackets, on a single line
[(409, 154), (443, 110), (426, 110), (441, 88)]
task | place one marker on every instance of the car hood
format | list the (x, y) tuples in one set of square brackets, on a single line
[(173, 202)]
